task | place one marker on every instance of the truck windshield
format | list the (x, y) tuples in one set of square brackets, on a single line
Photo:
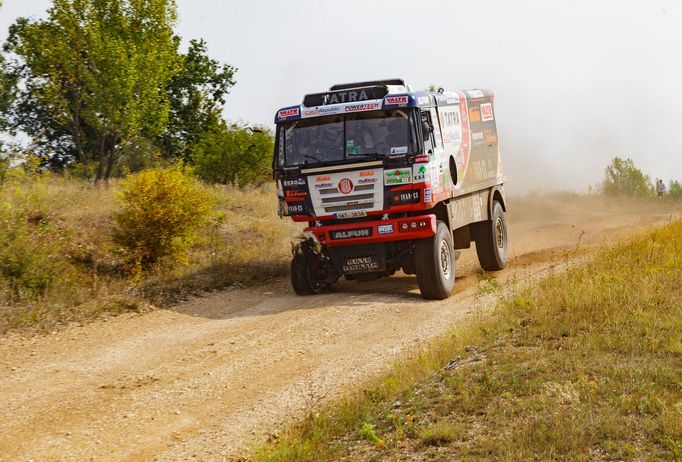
[(347, 136)]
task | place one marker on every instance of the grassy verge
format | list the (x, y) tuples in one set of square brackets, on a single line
[(58, 263), (587, 365)]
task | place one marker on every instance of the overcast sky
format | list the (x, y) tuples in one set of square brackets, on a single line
[(577, 82)]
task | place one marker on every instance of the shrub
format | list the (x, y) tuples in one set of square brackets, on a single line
[(233, 155), (675, 190), (161, 212), (622, 178), (30, 248)]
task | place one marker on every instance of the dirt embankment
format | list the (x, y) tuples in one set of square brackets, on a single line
[(204, 378)]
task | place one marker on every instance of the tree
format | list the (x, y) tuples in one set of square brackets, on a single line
[(233, 154), (94, 75), (675, 190), (197, 95), (622, 178), (7, 88)]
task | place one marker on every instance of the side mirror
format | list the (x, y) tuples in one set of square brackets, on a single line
[(427, 128)]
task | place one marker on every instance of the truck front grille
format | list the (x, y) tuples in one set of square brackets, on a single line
[(365, 196), (336, 202)]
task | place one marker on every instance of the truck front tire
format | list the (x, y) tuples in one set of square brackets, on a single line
[(302, 275), (434, 261), (491, 240)]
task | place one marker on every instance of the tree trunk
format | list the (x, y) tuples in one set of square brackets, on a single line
[(111, 160), (108, 157), (101, 158), (78, 135)]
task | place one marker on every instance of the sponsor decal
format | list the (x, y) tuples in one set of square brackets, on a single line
[(435, 176), (398, 176), (293, 112), (405, 197), (427, 195), (346, 186), (487, 112), (295, 195), (294, 209), (423, 100), (324, 185), (450, 118), (351, 233), (311, 112), (367, 173), (367, 180), (477, 138), (347, 215), (347, 97), (475, 93), (385, 229), (421, 173), (362, 107), (402, 100), (360, 264), (475, 114), (321, 179), (490, 139), (330, 110), (399, 150), (410, 196), (294, 182)]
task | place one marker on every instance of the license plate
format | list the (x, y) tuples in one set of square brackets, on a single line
[(360, 265), (346, 215)]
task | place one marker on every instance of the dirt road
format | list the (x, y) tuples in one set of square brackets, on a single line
[(203, 379)]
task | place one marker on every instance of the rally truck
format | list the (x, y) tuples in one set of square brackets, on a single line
[(390, 179)]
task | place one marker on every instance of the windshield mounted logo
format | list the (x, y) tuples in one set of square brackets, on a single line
[(346, 186)]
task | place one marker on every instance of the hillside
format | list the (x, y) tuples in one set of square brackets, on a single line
[(59, 264)]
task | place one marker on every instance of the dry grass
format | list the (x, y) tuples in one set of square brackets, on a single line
[(585, 366), (247, 243), (58, 231)]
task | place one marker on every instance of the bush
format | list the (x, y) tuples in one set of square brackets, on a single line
[(675, 190), (622, 178), (30, 248), (161, 212), (233, 155)]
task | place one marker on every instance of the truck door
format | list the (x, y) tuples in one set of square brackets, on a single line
[(438, 166)]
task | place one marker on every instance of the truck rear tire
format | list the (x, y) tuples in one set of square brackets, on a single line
[(302, 275), (491, 240), (434, 261)]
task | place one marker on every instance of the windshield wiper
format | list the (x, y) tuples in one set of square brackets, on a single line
[(373, 155), (312, 157)]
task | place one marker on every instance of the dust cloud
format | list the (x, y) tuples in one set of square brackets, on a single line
[(576, 82)]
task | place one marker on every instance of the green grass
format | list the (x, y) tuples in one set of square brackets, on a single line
[(586, 365)]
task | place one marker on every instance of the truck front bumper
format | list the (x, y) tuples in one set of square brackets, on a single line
[(369, 232)]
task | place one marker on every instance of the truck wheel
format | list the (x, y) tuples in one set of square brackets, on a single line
[(434, 262), (491, 240), (302, 275)]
